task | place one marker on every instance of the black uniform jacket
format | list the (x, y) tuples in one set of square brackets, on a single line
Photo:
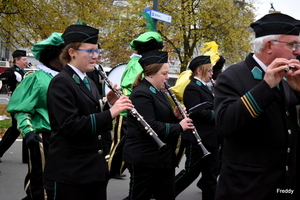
[(10, 77), (260, 131), (203, 120), (139, 148), (75, 155)]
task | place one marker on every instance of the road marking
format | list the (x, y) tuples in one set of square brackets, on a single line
[(5, 98)]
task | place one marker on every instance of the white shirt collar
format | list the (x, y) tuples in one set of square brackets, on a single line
[(80, 74), (261, 64), (204, 83)]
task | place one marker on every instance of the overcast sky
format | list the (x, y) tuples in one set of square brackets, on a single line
[(289, 7)]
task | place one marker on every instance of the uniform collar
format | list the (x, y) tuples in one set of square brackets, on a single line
[(78, 72), (261, 64)]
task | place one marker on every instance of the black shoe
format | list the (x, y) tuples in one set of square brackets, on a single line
[(117, 176)]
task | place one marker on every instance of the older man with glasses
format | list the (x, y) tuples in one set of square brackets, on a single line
[(255, 111)]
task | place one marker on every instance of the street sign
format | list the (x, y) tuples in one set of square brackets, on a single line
[(158, 15)]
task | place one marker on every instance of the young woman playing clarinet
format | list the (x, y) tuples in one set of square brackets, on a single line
[(152, 169), (75, 167)]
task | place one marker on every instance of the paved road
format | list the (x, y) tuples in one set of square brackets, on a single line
[(13, 172), (4, 98)]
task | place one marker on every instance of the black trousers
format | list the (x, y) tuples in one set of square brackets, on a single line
[(90, 191), (145, 182), (194, 165), (9, 137), (33, 184)]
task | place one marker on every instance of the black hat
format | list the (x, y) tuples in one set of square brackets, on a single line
[(276, 23), (80, 33), (19, 53), (152, 57), (199, 60)]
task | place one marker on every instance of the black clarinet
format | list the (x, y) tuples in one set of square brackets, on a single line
[(194, 131), (212, 82), (133, 111)]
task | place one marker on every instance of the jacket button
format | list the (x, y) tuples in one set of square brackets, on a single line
[(99, 137), (100, 151), (287, 113)]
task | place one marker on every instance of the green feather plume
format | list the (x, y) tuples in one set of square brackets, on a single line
[(80, 22), (149, 21)]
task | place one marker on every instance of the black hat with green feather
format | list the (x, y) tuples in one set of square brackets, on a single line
[(150, 40)]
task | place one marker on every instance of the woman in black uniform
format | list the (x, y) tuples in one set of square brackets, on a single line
[(153, 170), (196, 92), (75, 167)]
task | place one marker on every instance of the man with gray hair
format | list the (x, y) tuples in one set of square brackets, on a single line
[(255, 111)]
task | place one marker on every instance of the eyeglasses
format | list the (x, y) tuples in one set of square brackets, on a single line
[(293, 45), (210, 71), (91, 52)]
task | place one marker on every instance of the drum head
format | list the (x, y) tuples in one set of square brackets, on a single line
[(115, 75)]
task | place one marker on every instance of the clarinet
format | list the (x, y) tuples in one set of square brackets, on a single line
[(133, 111), (212, 82), (194, 131)]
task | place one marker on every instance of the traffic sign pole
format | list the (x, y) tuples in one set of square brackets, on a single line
[(155, 7)]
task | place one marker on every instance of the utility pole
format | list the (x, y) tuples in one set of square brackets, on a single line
[(155, 7)]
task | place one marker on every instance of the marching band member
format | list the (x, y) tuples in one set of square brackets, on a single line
[(147, 41), (256, 116), (14, 76), (28, 104), (197, 92), (152, 171), (75, 167)]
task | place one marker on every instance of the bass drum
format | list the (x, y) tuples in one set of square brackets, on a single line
[(115, 75)]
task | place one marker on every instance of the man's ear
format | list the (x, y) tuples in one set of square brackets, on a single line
[(268, 46)]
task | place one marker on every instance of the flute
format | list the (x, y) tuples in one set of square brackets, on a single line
[(133, 111), (288, 68), (194, 131)]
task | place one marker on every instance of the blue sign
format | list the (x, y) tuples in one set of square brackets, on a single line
[(158, 15)]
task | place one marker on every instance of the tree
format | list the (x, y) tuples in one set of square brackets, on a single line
[(194, 22), (25, 22)]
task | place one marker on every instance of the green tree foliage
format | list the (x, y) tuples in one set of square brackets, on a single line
[(194, 22), (25, 22)]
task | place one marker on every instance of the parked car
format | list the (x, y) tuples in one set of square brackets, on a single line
[(4, 65)]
